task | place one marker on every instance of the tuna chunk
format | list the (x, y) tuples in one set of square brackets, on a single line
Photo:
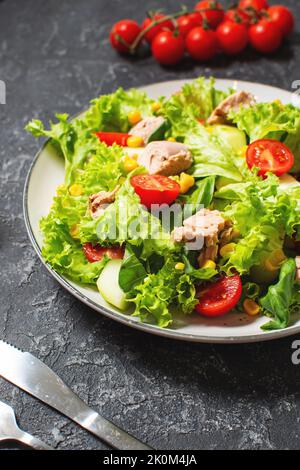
[(297, 268), (166, 158), (147, 127), (206, 228), (98, 202), (233, 102)]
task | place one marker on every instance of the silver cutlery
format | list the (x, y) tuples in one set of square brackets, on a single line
[(10, 431), (31, 375)]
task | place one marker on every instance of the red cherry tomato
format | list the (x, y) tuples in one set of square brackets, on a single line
[(255, 4), (123, 35), (238, 16), (202, 44), (96, 253), (283, 18), (187, 22), (168, 48), (155, 189), (155, 30), (265, 36), (269, 155), (221, 297), (211, 11), (232, 37), (110, 138)]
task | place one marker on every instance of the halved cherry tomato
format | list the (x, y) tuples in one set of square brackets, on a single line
[(96, 253), (110, 138), (219, 298), (269, 155), (155, 189)]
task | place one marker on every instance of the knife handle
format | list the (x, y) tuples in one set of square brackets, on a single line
[(108, 432)]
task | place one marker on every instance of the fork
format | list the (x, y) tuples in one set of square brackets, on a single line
[(10, 431)]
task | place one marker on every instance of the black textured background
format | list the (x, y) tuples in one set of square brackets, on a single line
[(55, 57)]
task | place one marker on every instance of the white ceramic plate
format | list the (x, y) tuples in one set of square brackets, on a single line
[(47, 172)]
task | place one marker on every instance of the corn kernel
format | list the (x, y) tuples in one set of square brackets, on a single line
[(251, 307), (186, 182), (227, 250), (134, 117), (179, 266), (171, 139), (209, 264), (135, 141), (156, 106), (76, 190), (130, 164), (74, 231), (243, 151)]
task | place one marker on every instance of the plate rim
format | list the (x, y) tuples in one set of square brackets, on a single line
[(146, 328)]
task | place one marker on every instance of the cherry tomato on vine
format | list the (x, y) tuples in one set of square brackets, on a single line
[(219, 298), (238, 16), (255, 4), (269, 155), (168, 48), (212, 11), (283, 18), (155, 30), (188, 22), (123, 34), (155, 189), (232, 37), (265, 36), (202, 44)]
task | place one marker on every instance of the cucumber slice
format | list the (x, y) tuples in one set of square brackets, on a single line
[(158, 133), (235, 138), (108, 285)]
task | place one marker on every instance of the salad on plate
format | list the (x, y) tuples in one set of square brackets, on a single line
[(184, 205)]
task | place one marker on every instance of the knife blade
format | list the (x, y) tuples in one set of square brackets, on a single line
[(33, 376)]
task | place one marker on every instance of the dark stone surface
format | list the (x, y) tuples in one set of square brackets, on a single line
[(54, 57)]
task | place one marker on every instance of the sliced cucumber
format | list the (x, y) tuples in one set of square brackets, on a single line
[(108, 285), (158, 133), (232, 135)]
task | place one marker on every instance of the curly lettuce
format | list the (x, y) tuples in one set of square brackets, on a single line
[(76, 139), (263, 215), (271, 120)]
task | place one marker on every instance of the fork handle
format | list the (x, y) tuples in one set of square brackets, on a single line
[(33, 442)]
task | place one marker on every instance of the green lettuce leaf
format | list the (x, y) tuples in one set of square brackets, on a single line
[(76, 139), (126, 220), (263, 215), (271, 120), (279, 298), (154, 298)]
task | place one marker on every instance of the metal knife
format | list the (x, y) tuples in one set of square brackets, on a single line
[(31, 375)]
